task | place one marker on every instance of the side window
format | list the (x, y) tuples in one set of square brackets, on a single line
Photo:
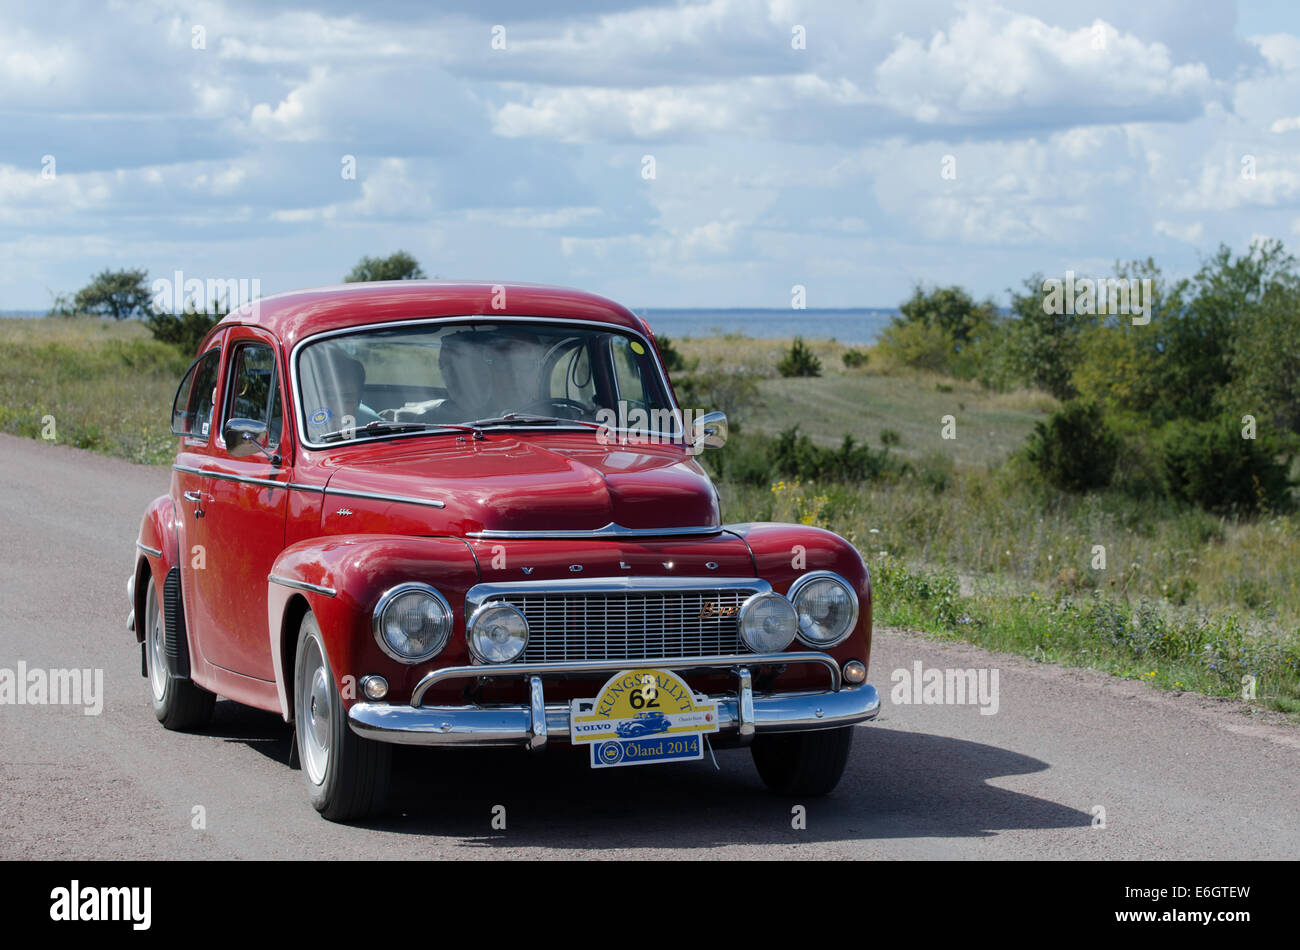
[(571, 376), (253, 391), (192, 408), (627, 369)]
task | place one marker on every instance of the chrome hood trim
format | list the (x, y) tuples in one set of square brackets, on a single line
[(611, 530)]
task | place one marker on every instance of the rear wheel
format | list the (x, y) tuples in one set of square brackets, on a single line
[(177, 703), (347, 776), (803, 763)]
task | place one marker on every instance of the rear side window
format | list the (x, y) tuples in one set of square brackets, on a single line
[(192, 408)]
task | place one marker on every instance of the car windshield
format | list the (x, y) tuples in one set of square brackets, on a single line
[(376, 383)]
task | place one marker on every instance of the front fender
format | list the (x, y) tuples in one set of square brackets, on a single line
[(340, 579), (785, 552)]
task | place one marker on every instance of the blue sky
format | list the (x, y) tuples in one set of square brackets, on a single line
[(1073, 135)]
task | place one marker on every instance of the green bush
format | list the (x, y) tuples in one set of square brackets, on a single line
[(917, 345), (797, 456), (1209, 464), (1074, 450), (854, 358), (673, 360), (800, 361), (732, 393)]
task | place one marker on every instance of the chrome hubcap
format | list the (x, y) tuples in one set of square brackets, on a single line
[(157, 659), (314, 714)]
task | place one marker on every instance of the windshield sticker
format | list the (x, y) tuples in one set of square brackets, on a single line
[(320, 416), (637, 348)]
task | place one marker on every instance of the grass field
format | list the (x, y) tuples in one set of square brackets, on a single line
[(1185, 599)]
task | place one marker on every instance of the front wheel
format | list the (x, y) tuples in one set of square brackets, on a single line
[(803, 763), (347, 776), (177, 703)]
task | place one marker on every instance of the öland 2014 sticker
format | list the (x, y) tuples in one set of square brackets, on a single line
[(640, 717)]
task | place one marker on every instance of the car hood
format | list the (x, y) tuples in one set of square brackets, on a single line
[(510, 482)]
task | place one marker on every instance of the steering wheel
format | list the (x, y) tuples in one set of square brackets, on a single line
[(557, 403)]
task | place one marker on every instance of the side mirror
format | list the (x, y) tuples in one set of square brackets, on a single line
[(244, 437), (710, 430)]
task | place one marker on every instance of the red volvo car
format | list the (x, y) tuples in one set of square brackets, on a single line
[(461, 514)]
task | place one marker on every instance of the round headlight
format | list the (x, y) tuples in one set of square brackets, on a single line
[(497, 633), (767, 623), (827, 608), (412, 622)]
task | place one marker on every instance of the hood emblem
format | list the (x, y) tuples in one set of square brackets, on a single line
[(344, 512), (528, 570)]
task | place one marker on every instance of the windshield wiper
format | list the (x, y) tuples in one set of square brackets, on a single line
[(527, 419), (388, 425)]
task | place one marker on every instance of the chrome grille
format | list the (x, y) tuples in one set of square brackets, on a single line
[(631, 625)]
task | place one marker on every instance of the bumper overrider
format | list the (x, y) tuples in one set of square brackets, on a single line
[(741, 715)]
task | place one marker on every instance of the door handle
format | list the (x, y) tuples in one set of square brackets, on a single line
[(197, 498)]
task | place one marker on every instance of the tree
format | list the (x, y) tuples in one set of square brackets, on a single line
[(935, 328), (186, 329), (398, 266), (117, 294)]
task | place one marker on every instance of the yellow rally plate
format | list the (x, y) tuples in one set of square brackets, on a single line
[(640, 717)]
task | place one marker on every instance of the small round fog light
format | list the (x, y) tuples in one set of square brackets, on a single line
[(855, 672), (374, 687)]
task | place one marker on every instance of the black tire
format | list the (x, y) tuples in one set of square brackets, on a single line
[(807, 764), (347, 776), (177, 703)]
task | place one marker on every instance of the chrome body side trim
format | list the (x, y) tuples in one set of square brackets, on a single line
[(152, 552), (247, 479), (521, 726), (380, 496), (611, 530), (578, 667), (301, 585)]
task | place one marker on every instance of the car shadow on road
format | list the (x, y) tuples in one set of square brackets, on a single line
[(898, 784)]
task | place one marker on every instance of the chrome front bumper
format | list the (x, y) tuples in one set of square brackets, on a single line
[(741, 715)]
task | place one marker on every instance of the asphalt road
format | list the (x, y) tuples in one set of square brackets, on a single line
[(1178, 776)]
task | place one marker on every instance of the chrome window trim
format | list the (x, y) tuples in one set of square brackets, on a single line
[(802, 582), (377, 616), (480, 594), (473, 318), (611, 530), (301, 585), (153, 552)]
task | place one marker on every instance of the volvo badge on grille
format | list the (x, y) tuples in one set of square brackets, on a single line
[(714, 609)]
